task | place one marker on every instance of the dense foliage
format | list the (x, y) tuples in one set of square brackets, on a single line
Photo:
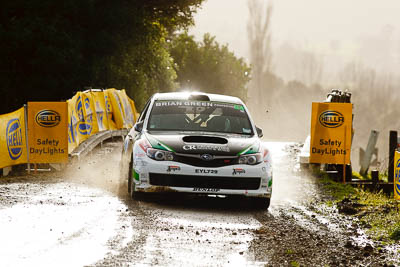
[(49, 49), (208, 66)]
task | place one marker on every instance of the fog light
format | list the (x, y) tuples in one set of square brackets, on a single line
[(169, 156), (251, 160), (242, 160), (159, 155)]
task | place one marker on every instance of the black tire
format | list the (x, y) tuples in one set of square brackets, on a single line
[(130, 166), (132, 186), (123, 182), (262, 202), (131, 183), (135, 195)]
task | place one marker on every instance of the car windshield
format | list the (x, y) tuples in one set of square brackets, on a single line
[(205, 116)]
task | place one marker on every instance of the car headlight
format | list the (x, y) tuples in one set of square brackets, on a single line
[(251, 159), (159, 155)]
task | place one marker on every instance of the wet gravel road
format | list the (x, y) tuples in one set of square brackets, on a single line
[(82, 216)]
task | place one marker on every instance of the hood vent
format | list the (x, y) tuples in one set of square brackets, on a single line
[(205, 139), (199, 97)]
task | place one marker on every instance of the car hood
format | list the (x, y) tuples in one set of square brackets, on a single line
[(204, 143)]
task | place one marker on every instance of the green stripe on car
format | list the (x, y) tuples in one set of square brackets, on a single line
[(135, 175), (251, 149), (158, 144)]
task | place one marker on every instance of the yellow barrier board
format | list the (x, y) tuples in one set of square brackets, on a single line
[(73, 120), (94, 111), (48, 132), (110, 115), (331, 126), (100, 107), (397, 175), (117, 109), (90, 112), (84, 127), (12, 138), (129, 119)]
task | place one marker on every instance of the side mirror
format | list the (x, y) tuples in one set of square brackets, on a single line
[(259, 132), (138, 126)]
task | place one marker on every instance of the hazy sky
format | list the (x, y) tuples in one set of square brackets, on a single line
[(319, 25), (339, 32)]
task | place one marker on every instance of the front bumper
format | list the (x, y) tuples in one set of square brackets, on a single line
[(156, 176)]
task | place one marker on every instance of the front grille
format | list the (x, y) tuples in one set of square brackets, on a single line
[(198, 162), (219, 182)]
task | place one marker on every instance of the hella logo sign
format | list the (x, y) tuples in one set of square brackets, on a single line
[(47, 118), (14, 139), (331, 119), (397, 177)]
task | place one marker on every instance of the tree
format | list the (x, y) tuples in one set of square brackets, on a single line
[(310, 68), (259, 36), (208, 66), (50, 49)]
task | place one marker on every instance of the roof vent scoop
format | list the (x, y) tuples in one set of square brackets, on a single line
[(205, 139), (199, 97)]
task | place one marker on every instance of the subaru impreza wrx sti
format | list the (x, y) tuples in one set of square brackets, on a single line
[(197, 143)]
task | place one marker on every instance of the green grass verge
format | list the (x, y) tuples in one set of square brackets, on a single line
[(380, 214), (382, 176), (337, 190), (377, 212)]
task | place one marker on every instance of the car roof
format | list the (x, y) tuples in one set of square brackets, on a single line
[(186, 95)]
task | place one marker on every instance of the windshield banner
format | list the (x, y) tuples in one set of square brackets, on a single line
[(331, 131), (12, 138), (197, 104)]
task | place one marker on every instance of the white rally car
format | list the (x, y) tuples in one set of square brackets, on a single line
[(197, 143)]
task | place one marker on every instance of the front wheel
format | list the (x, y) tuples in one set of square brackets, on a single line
[(130, 180), (135, 195)]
